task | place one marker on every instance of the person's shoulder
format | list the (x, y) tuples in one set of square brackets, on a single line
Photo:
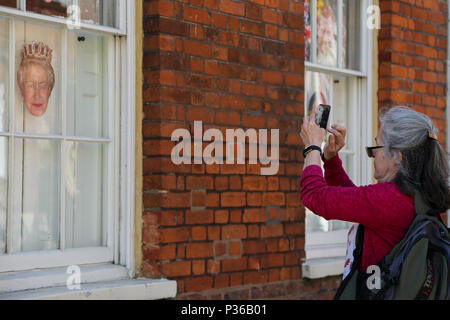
[(388, 191)]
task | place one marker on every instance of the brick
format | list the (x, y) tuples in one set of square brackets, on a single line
[(198, 284), (238, 231), (167, 200), (220, 249), (180, 234), (199, 217), (230, 265), (253, 89), (232, 7), (213, 266), (199, 250), (235, 216), (236, 279), (254, 199), (274, 77), (196, 15), (255, 183), (176, 268), (170, 218), (221, 216), (197, 48), (254, 215), (221, 281), (255, 277), (234, 248), (253, 231), (198, 267), (199, 182), (198, 233), (150, 235), (274, 199), (272, 260), (233, 199), (213, 232), (269, 231)]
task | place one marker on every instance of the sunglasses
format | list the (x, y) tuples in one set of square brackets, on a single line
[(369, 150)]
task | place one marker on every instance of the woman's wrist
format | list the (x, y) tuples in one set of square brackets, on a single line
[(327, 156)]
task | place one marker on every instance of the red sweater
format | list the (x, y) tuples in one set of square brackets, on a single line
[(381, 208)]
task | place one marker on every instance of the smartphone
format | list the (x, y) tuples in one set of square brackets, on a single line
[(322, 115)]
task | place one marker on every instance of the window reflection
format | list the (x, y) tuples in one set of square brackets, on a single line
[(98, 12), (9, 3), (49, 7), (41, 194)]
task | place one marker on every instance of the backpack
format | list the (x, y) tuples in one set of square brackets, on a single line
[(417, 268)]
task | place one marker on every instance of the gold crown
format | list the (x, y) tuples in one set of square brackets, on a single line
[(37, 50)]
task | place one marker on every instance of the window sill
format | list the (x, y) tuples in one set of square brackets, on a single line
[(322, 267), (129, 289), (98, 282)]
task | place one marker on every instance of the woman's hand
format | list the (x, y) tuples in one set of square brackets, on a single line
[(336, 141), (311, 133)]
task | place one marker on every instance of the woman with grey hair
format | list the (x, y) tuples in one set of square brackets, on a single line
[(407, 159)]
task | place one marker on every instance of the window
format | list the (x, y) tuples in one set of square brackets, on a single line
[(66, 133), (337, 55)]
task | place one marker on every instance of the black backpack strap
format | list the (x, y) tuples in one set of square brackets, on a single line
[(429, 281)]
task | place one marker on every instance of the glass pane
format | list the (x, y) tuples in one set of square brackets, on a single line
[(327, 32), (38, 65), (342, 104), (37, 212), (99, 12), (87, 85), (307, 32), (318, 89), (86, 222), (56, 8), (4, 73), (8, 3), (315, 223), (351, 34), (3, 191)]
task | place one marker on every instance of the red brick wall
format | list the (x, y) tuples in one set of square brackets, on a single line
[(240, 64), (412, 57), (231, 64)]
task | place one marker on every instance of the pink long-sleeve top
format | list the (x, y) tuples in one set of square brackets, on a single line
[(381, 208)]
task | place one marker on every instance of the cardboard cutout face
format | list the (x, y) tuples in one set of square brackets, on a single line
[(36, 77), (36, 90)]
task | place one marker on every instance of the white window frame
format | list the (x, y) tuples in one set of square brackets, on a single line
[(116, 261), (325, 251)]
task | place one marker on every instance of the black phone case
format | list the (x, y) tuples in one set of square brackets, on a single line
[(322, 120)]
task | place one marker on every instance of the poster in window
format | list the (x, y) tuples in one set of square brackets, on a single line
[(327, 32), (37, 107), (36, 76), (307, 31), (37, 111), (4, 73)]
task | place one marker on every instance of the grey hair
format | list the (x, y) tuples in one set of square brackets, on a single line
[(424, 164)]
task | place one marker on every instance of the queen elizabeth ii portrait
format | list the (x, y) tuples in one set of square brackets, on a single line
[(36, 77)]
